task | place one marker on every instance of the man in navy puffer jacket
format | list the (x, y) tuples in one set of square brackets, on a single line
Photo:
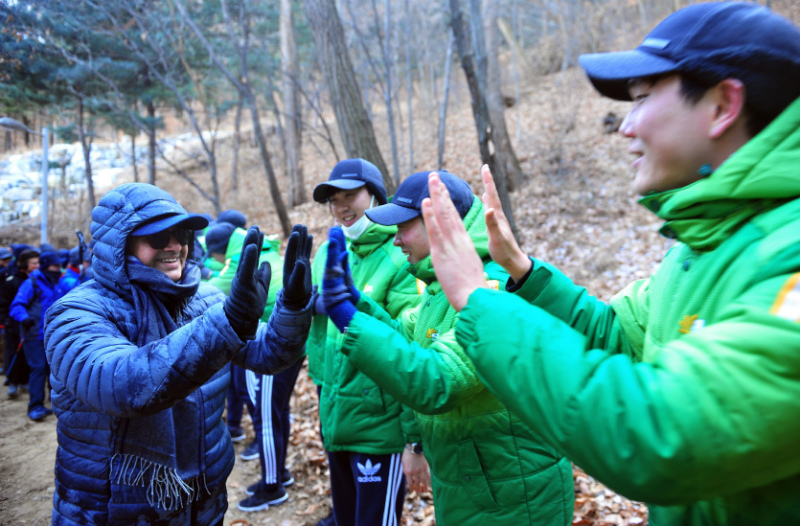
[(139, 364)]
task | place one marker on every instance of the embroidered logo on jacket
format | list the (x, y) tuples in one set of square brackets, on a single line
[(432, 334), (368, 471), (787, 302), (691, 323)]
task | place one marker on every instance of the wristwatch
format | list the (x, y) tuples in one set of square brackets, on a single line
[(415, 447)]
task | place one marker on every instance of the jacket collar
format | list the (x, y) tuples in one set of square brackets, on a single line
[(760, 176)]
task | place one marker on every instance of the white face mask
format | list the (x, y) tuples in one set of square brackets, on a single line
[(355, 230)]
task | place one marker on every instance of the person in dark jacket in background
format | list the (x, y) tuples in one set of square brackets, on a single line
[(5, 258), (26, 260), (139, 361), (33, 298)]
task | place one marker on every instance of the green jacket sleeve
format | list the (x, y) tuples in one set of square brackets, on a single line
[(317, 336), (713, 413), (404, 365), (549, 289)]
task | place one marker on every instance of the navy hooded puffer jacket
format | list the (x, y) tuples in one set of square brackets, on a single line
[(106, 389)]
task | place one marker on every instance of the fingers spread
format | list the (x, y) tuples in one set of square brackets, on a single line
[(253, 236), (298, 277), (309, 244), (249, 260), (264, 274)]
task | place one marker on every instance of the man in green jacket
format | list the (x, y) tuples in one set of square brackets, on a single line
[(487, 466), (361, 424), (684, 392), (266, 396)]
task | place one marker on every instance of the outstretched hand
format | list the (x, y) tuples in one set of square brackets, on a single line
[(249, 288), (339, 295), (503, 245), (451, 246), (297, 269)]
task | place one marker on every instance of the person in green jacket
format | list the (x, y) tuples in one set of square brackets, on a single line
[(361, 424), (684, 392), (266, 396), (487, 466)]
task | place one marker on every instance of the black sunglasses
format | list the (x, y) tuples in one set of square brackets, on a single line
[(160, 240)]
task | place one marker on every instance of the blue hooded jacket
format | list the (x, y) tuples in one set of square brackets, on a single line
[(33, 298), (107, 389)]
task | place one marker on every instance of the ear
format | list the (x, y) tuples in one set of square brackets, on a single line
[(728, 97)]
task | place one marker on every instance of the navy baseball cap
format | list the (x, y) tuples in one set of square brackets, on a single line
[(407, 201), (349, 174), (709, 42), (48, 258), (190, 221)]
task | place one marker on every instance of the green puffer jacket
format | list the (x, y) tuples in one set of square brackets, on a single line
[(685, 392), (355, 413), (269, 253), (487, 466)]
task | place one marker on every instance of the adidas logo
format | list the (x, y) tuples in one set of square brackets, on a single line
[(368, 471)]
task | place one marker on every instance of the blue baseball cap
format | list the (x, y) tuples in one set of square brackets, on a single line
[(164, 222), (407, 201), (5, 253), (710, 42), (350, 174)]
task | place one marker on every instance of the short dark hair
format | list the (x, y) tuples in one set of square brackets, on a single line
[(756, 119), (22, 262), (693, 88)]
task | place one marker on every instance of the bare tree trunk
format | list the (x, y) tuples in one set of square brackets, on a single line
[(408, 89), (291, 106), (151, 143), (87, 150), (448, 67), (471, 66), (386, 46), (237, 130), (133, 158), (355, 127), (494, 99), (243, 86)]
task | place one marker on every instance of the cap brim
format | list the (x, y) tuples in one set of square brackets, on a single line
[(190, 221), (391, 214), (610, 72), (323, 190)]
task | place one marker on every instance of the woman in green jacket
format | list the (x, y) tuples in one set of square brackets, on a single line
[(364, 429), (487, 466)]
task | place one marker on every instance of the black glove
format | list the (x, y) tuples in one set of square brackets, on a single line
[(27, 323), (249, 288), (297, 269)]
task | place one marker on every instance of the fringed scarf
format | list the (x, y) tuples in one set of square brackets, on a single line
[(147, 450)]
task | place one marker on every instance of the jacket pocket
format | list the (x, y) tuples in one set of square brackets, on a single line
[(372, 397), (472, 476)]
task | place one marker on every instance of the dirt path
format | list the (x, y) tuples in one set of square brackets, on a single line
[(28, 453)]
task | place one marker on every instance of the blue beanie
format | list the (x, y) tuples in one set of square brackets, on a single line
[(234, 217), (46, 247), (48, 258), (218, 236), (75, 257)]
